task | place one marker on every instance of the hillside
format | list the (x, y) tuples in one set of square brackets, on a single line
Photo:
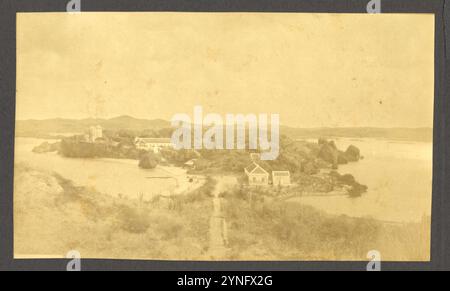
[(424, 134), (42, 128), (52, 216)]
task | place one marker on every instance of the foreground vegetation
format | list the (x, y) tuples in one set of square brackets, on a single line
[(260, 228), (52, 217)]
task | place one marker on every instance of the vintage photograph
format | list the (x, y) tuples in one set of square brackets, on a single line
[(224, 136)]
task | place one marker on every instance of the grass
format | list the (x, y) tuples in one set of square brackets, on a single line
[(278, 230), (52, 216)]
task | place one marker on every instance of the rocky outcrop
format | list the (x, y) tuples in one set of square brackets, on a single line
[(342, 158), (330, 153), (47, 147), (352, 154), (355, 189)]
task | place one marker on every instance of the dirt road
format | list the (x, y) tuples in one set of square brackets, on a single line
[(218, 227)]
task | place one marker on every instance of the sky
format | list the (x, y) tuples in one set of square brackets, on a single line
[(314, 70)]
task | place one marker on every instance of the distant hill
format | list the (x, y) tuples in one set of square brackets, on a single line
[(35, 128), (60, 126), (405, 134)]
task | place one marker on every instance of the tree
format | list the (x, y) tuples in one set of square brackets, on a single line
[(148, 161)]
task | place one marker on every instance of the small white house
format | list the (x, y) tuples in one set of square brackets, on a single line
[(281, 178), (257, 176), (152, 144)]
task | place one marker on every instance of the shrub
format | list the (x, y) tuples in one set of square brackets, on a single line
[(148, 161), (133, 221)]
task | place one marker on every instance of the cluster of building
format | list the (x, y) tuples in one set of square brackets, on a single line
[(95, 135), (258, 176), (152, 144)]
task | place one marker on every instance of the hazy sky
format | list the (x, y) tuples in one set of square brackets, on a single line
[(313, 69)]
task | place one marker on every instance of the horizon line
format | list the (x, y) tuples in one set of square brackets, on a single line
[(281, 125)]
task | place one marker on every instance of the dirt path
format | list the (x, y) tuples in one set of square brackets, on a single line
[(218, 227)]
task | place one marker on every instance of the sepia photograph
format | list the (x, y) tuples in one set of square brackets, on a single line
[(224, 136)]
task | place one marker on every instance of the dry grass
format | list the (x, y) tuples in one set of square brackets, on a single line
[(280, 230), (52, 217)]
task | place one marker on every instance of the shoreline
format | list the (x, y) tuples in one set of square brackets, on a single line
[(334, 202)]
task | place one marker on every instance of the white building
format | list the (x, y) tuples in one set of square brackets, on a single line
[(95, 132), (152, 144), (257, 176), (281, 178)]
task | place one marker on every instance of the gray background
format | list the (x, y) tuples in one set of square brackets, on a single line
[(440, 252)]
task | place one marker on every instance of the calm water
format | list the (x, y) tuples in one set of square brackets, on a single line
[(399, 177), (398, 174), (110, 176)]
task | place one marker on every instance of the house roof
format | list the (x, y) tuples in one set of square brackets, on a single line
[(281, 173), (254, 168), (250, 167)]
